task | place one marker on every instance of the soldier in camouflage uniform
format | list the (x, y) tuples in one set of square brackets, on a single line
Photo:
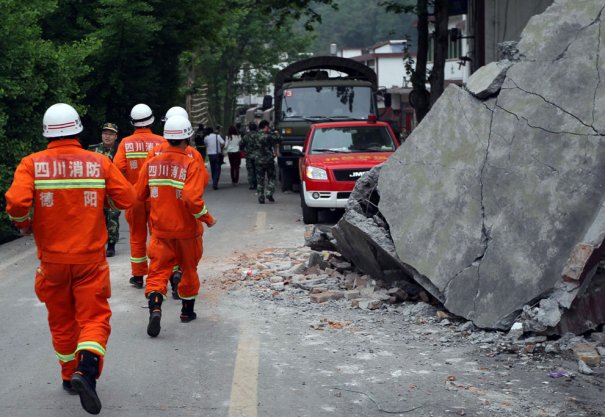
[(108, 148), (247, 145), (265, 152)]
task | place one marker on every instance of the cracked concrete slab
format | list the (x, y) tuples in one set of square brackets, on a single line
[(487, 200)]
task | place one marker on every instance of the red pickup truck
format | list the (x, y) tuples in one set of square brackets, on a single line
[(335, 155)]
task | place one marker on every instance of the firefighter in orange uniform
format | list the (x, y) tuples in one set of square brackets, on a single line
[(172, 182), (129, 159), (58, 195), (177, 274)]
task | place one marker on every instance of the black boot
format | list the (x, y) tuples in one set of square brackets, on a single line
[(187, 313), (111, 249), (136, 281), (68, 388), (261, 199), (155, 313), (84, 382), (270, 198), (175, 278)]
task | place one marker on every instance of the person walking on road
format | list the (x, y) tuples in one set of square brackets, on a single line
[(129, 158), (214, 149), (107, 147), (172, 182), (233, 153), (177, 273), (247, 146), (58, 194), (265, 152)]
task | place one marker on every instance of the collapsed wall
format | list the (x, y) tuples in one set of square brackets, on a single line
[(494, 202)]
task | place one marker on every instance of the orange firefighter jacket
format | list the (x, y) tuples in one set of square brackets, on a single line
[(172, 182), (61, 192), (191, 152), (133, 150)]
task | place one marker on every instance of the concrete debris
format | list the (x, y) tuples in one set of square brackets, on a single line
[(351, 289), (325, 323), (487, 80), (539, 319), (319, 238), (508, 211), (584, 369), (509, 51), (587, 354)]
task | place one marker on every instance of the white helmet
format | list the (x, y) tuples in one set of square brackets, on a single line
[(61, 120), (141, 115), (178, 128), (175, 111)]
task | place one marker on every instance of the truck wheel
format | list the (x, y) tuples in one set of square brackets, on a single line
[(309, 213), (286, 179)]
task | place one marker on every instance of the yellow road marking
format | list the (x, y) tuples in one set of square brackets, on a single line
[(261, 220), (244, 388)]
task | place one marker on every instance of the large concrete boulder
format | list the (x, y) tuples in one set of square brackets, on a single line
[(363, 237), (490, 201)]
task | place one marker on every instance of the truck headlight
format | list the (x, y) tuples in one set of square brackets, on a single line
[(314, 173)]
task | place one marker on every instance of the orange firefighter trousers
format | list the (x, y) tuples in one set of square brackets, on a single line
[(164, 254), (137, 217), (78, 310)]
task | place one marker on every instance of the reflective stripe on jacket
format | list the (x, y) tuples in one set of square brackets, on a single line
[(191, 152), (67, 187), (172, 182), (133, 150)]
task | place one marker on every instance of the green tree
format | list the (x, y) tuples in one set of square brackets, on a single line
[(34, 73), (244, 59), (421, 98), (360, 23), (138, 62)]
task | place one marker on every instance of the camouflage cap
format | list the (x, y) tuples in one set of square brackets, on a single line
[(110, 126)]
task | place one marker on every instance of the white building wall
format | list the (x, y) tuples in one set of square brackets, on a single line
[(390, 72), (348, 53)]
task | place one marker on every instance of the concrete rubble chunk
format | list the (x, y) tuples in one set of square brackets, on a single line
[(322, 297), (493, 204), (583, 368), (316, 259), (487, 80), (587, 353), (319, 238)]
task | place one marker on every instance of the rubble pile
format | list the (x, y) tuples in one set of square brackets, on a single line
[(324, 281), (322, 276)]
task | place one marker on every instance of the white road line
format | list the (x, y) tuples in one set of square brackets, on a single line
[(10, 262), (244, 387)]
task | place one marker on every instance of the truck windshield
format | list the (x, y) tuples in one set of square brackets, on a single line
[(336, 102), (352, 139)]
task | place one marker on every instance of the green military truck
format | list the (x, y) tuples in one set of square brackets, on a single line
[(313, 90)]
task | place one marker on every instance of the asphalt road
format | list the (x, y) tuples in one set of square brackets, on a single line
[(249, 355), (189, 369)]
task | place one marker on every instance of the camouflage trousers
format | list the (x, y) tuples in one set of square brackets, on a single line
[(251, 168), (112, 221), (265, 186)]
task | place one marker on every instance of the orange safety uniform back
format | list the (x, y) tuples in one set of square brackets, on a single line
[(65, 188), (191, 152), (172, 182), (133, 150)]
